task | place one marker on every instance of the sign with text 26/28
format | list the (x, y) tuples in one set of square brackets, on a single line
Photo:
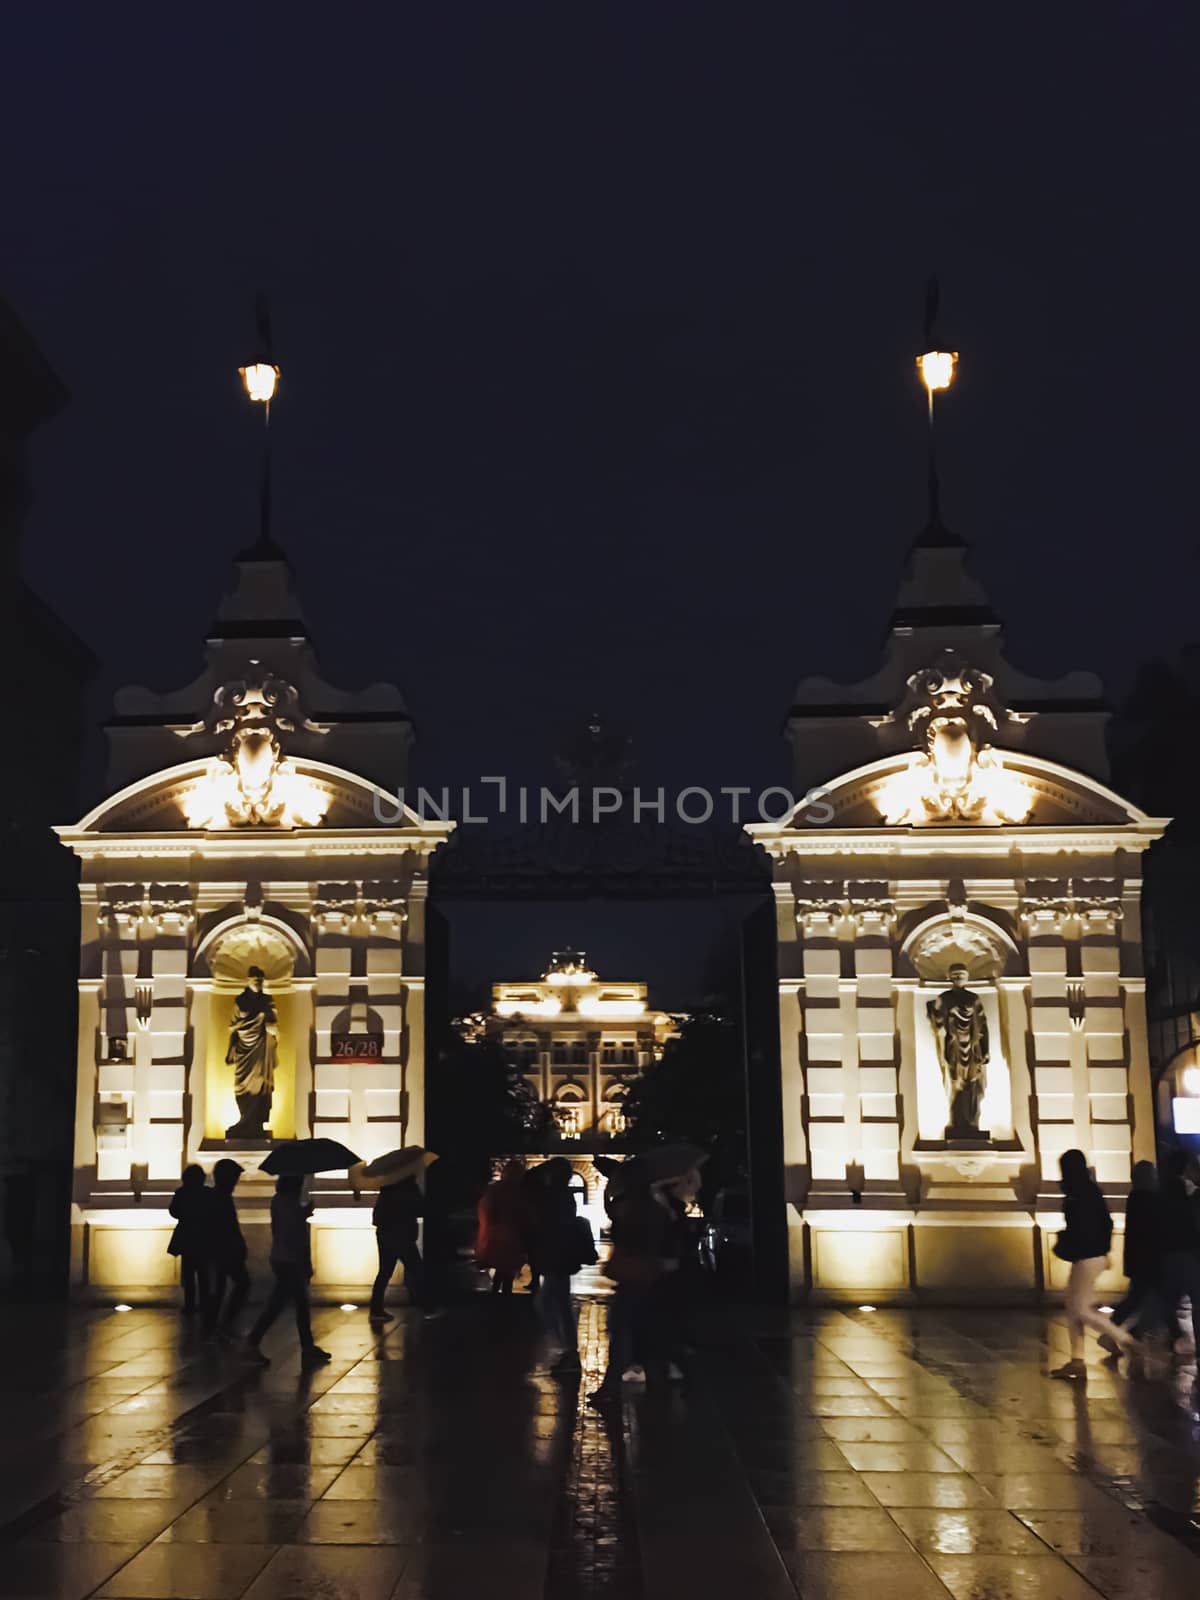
[(356, 1046)]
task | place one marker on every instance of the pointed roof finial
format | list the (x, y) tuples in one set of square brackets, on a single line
[(261, 378), (936, 368)]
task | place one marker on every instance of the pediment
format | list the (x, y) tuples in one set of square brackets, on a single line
[(1037, 794), (162, 802)]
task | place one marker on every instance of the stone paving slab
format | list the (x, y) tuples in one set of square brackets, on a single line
[(821, 1454)]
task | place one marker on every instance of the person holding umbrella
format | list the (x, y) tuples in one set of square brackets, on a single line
[(396, 1216), (646, 1247), (291, 1258)]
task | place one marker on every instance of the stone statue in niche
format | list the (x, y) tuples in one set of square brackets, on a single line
[(960, 1024), (252, 1047)]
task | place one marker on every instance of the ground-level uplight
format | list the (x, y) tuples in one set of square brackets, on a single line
[(1107, 1310), (349, 1307), (122, 1307), (866, 1308)]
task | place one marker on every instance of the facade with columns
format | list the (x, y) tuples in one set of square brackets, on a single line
[(241, 836), (580, 1042), (956, 815)]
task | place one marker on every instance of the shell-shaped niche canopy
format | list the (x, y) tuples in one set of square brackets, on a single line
[(252, 944), (958, 942)]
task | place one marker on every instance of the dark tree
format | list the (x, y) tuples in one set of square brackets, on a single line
[(479, 1107), (696, 1093)]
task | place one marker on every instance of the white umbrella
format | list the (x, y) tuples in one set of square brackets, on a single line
[(391, 1168)]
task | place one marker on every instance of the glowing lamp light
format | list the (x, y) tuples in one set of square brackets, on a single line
[(937, 368), (1106, 1310), (260, 379), (348, 1307), (122, 1307), (1189, 1080), (866, 1308)]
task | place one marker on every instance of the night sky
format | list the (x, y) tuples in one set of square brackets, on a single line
[(596, 324)]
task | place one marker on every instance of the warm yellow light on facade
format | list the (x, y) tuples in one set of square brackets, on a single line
[(260, 379), (591, 1006), (937, 368), (1189, 1080), (548, 1006)]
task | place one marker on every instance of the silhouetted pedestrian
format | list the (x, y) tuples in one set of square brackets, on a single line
[(1084, 1242), (396, 1216), (1145, 1302), (565, 1244), (635, 1266), (226, 1251), (189, 1241), (668, 1307), (291, 1262), (535, 1197), (1181, 1238), (505, 1221)]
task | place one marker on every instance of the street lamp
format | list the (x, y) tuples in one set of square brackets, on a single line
[(935, 367), (260, 379), (937, 371)]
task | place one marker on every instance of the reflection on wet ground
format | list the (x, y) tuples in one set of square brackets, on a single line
[(820, 1453)]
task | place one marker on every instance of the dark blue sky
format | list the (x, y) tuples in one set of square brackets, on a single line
[(596, 324)]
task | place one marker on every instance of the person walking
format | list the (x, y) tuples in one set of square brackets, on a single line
[(226, 1252), (1181, 1238), (1145, 1301), (396, 1218), (668, 1306), (504, 1226), (291, 1263), (189, 1241), (535, 1200), (1084, 1242), (635, 1266), (565, 1245)]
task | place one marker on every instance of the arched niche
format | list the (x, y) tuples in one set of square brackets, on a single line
[(949, 939), (227, 955), (931, 949)]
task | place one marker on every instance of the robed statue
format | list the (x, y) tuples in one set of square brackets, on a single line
[(960, 1024), (252, 1045)]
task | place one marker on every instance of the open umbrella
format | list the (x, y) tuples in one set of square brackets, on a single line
[(393, 1167), (300, 1158), (669, 1161)]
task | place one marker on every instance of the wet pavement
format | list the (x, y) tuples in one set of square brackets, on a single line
[(923, 1454)]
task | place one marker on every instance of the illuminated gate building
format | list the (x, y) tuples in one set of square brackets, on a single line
[(961, 990), (253, 943)]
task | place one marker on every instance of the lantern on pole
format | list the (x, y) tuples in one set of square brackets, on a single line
[(260, 379), (936, 368)]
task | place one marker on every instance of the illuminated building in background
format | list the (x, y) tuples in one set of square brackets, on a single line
[(580, 1042), (239, 844)]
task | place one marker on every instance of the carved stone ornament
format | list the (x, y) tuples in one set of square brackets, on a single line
[(952, 712), (251, 783), (1047, 905), (252, 944), (954, 941)]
